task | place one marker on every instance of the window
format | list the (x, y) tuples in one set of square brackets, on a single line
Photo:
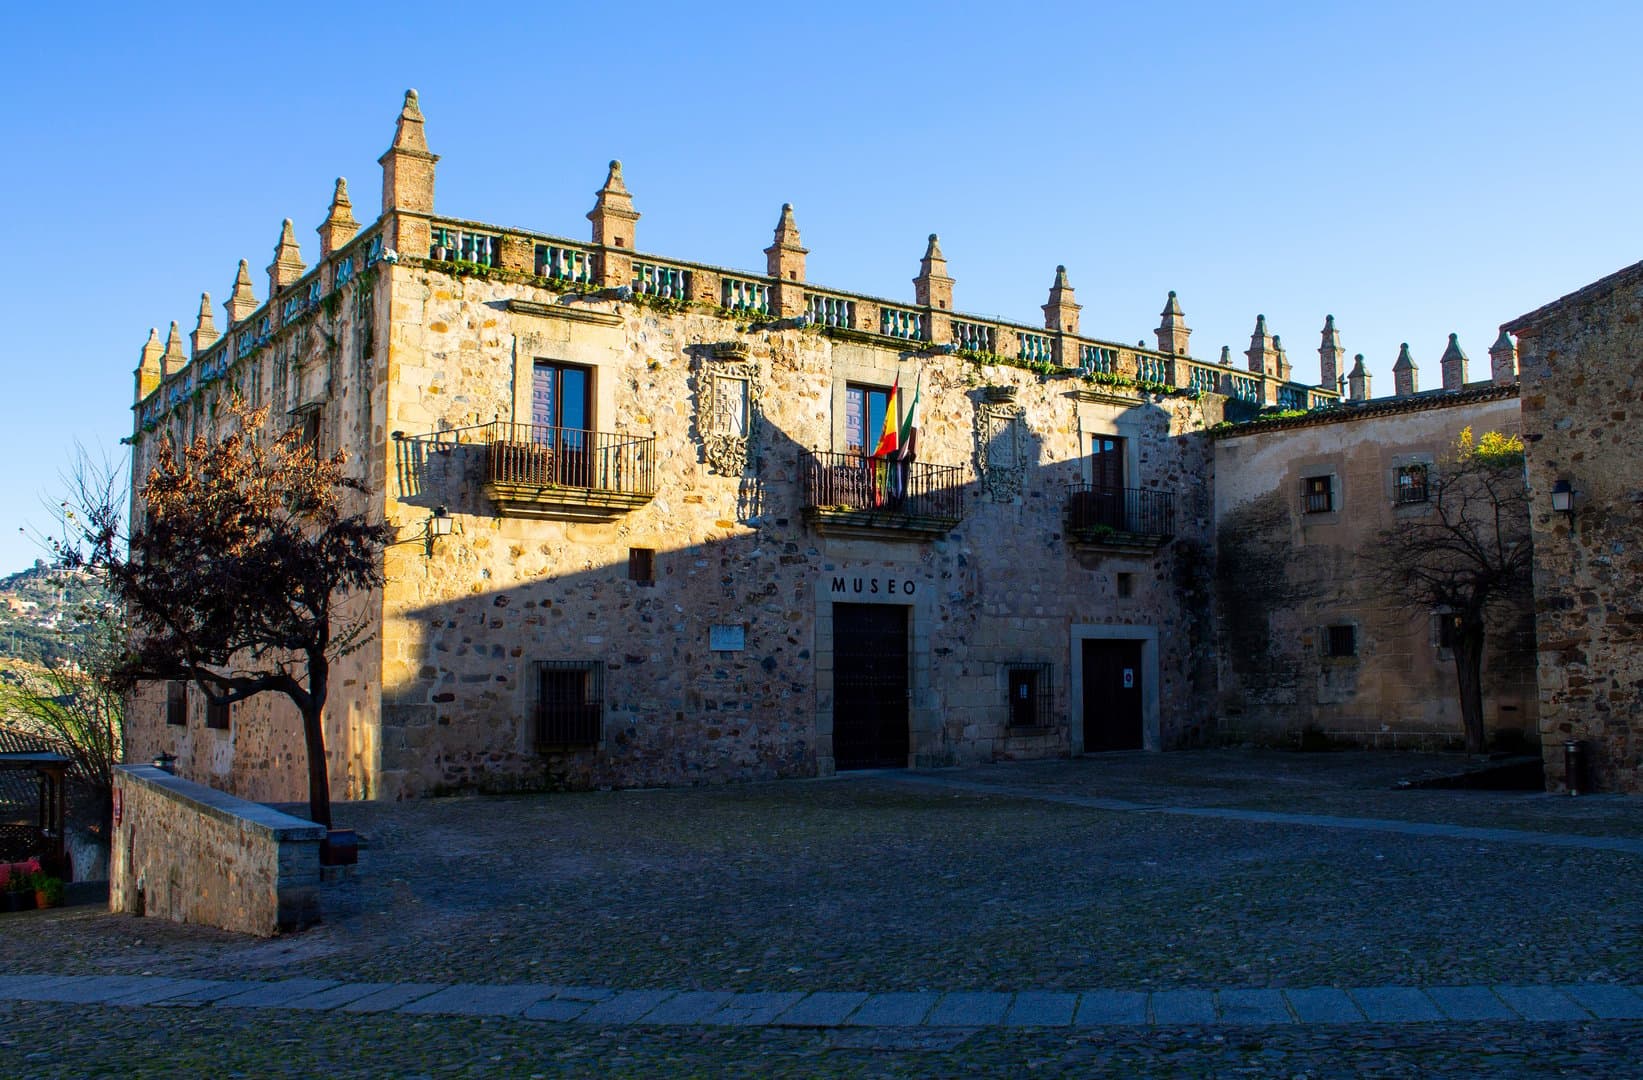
[(216, 715), (1317, 495), (864, 409), (561, 396), (308, 420), (1445, 632), (1126, 585), (1409, 485), (642, 565), (570, 704), (1340, 641), (176, 704), (1029, 695)]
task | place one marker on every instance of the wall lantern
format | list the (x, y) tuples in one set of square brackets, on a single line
[(165, 761), (1563, 501), (440, 524)]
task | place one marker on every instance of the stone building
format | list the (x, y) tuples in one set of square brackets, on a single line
[(645, 538), (1307, 638), (1582, 371)]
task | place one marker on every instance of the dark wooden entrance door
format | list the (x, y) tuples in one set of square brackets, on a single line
[(1112, 695), (869, 686)]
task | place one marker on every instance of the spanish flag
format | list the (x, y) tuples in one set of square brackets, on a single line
[(889, 438)]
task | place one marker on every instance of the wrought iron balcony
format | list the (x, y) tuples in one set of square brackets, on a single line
[(1125, 518), (559, 472), (857, 495)]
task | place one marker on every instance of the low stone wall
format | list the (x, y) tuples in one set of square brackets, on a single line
[(190, 853)]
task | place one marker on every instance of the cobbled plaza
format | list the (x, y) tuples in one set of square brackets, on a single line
[(1206, 913)]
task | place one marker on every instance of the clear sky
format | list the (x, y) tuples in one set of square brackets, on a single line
[(1414, 169)]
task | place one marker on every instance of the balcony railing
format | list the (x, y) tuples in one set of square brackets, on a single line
[(1120, 516), (856, 494), (568, 472)]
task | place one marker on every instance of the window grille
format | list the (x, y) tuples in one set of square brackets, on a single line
[(1341, 641), (1029, 694), (570, 704), (1410, 486), (176, 704), (1317, 495), (642, 565)]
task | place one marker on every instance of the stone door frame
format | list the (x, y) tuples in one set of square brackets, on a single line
[(1147, 635)]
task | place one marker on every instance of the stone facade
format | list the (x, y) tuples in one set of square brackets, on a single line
[(1581, 364), (189, 853), (665, 542), (1287, 572)]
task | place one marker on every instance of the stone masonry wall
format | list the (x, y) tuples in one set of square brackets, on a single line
[(1582, 372), (466, 616), (189, 853), (1283, 576)]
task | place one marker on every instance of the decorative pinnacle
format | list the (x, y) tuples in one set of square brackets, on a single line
[(1502, 343), (787, 229), (1260, 325), (613, 179), (1061, 281), (205, 318), (1226, 355), (1357, 365), (408, 130), (1404, 360), (1172, 306)]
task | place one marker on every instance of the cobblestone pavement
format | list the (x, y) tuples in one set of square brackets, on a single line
[(930, 894)]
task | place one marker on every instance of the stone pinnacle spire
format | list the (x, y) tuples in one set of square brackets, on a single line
[(242, 301), (933, 288), (409, 133), (1263, 358), (1330, 355), (149, 369), (1454, 364), (339, 226), (613, 215), (1061, 313), (205, 327), (784, 261), (1503, 360), (287, 266), (1172, 328), (174, 360), (1357, 380)]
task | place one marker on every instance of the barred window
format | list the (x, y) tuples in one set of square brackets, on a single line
[(1317, 495), (216, 714), (1029, 687), (642, 565), (570, 704), (1410, 485), (1341, 641)]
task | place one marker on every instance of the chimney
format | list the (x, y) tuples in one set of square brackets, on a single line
[(1503, 360), (1405, 373), (1454, 364)]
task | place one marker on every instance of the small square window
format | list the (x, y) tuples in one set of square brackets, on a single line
[(1029, 687), (642, 565), (1341, 641), (176, 704), (1409, 485), (1317, 495), (1126, 585)]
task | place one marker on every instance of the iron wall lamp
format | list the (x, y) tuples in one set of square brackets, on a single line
[(1563, 501), (439, 523)]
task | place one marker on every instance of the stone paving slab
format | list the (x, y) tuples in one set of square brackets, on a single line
[(1395, 1004), (1183, 1006), (13, 986), (1042, 1008), (901, 1008), (755, 1009), (688, 1007), (337, 996), (475, 999), (1111, 1007), (826, 1008), (1608, 1002), (625, 1007), (1469, 1003), (277, 995), (1252, 1007), (160, 991), (392, 997), (557, 1009), (970, 1008), (1541, 1003), (83, 989), (210, 991), (1323, 1005)]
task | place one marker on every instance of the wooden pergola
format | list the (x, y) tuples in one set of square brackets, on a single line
[(44, 835)]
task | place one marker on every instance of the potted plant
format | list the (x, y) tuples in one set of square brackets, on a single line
[(17, 880), (48, 891)]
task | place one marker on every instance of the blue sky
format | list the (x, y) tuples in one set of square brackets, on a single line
[(1413, 169)]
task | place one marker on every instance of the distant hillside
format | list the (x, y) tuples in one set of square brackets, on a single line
[(44, 613)]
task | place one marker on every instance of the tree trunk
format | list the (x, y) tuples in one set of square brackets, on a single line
[(313, 733), (1469, 675)]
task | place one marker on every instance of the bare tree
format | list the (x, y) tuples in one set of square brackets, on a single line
[(236, 570), (1468, 555)]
